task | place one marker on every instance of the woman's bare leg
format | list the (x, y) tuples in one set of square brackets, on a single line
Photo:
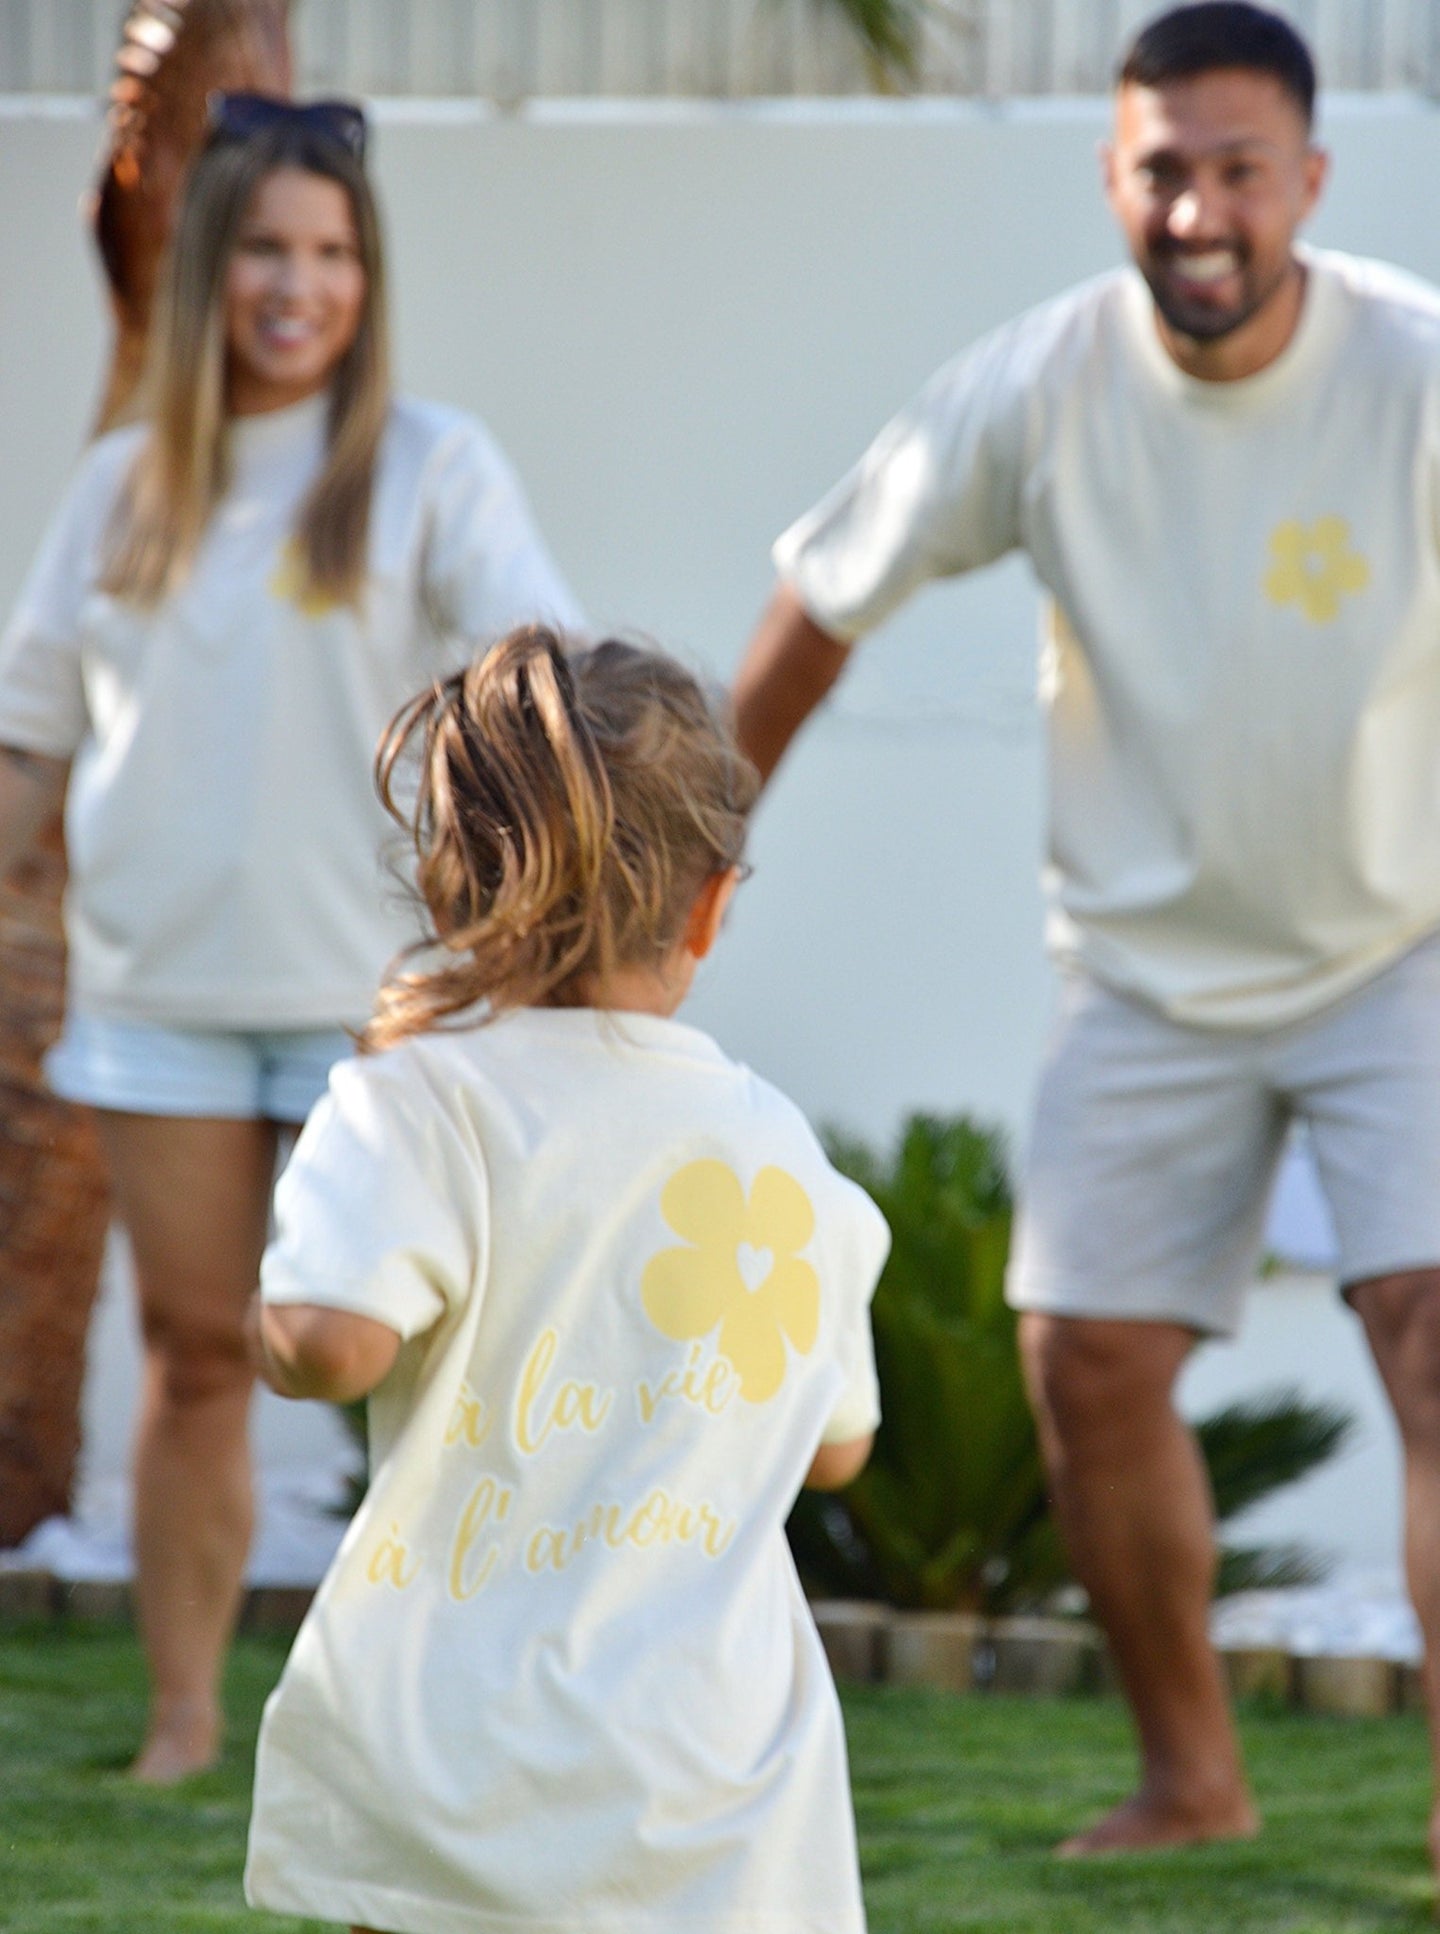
[(194, 1198)]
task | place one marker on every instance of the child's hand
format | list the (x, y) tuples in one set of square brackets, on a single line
[(305, 1350), (837, 1465), (254, 1346)]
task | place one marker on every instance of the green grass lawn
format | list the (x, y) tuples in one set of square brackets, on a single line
[(959, 1801)]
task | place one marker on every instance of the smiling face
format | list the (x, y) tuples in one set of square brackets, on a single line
[(294, 291), (1210, 178)]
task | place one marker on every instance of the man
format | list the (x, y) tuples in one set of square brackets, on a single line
[(1225, 469)]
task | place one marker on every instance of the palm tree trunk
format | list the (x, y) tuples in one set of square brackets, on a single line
[(53, 1209), (53, 1197)]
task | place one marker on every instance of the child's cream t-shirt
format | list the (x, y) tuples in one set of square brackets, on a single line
[(222, 825), (561, 1674), (1243, 675)]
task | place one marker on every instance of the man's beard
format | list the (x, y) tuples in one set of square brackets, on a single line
[(1201, 321)]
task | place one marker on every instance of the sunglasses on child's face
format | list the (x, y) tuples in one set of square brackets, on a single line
[(235, 117)]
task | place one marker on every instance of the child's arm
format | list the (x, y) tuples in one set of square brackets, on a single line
[(836, 1464), (304, 1350)]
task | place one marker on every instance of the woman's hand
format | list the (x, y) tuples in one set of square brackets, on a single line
[(303, 1350), (31, 789)]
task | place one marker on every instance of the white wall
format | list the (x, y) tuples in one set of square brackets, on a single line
[(683, 324)]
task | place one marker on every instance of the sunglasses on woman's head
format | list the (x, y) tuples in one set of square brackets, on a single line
[(235, 117)]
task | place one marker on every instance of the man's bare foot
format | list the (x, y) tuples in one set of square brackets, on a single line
[(183, 1739), (1143, 1822)]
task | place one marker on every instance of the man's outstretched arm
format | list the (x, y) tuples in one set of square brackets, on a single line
[(789, 667)]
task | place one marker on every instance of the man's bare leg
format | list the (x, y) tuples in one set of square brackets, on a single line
[(1401, 1314), (1132, 1498)]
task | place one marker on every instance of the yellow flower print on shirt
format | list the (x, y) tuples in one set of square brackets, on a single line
[(741, 1268), (1313, 566), (288, 583)]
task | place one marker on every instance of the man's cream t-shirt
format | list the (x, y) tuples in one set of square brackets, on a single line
[(1242, 676), (561, 1674), (225, 839)]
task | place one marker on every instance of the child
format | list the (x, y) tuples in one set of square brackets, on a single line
[(612, 1304)]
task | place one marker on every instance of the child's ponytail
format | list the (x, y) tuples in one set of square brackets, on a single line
[(566, 808)]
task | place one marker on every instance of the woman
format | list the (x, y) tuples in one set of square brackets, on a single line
[(235, 597)]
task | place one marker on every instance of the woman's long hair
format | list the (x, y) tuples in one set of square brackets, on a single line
[(181, 470), (565, 806)]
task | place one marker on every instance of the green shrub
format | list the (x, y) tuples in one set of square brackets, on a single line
[(951, 1512)]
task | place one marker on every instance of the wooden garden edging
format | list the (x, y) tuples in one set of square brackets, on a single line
[(872, 1644), (961, 1652), (30, 1598)]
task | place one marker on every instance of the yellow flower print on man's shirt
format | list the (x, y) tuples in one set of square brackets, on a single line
[(741, 1268), (1315, 567)]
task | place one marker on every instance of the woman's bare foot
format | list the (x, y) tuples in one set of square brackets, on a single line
[(183, 1739), (1145, 1821)]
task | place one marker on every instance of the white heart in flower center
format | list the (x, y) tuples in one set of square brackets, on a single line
[(754, 1264)]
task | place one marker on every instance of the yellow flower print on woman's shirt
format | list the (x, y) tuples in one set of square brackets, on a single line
[(741, 1268), (290, 583), (1314, 566)]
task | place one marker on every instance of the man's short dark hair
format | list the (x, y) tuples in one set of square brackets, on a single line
[(1216, 34)]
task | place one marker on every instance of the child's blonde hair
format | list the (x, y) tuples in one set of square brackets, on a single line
[(570, 803)]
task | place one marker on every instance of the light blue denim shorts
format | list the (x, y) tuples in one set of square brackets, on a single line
[(142, 1068)]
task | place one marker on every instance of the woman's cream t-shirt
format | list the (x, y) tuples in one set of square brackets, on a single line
[(224, 834), (561, 1675)]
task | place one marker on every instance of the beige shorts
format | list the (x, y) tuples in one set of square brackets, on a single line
[(1155, 1147)]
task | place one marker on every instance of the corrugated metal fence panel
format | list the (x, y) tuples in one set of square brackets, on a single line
[(508, 50), (63, 47)]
